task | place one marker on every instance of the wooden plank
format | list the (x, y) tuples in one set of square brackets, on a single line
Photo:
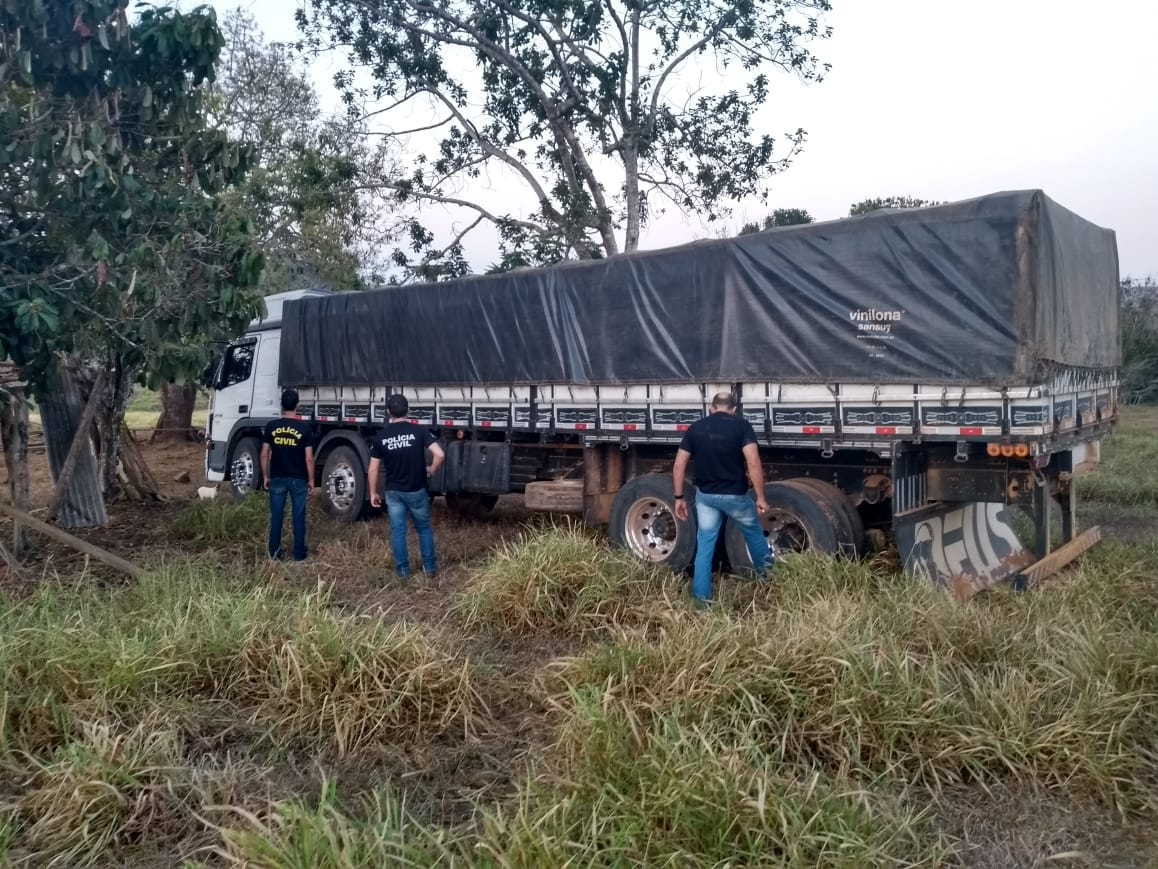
[(62, 536), (1059, 558)]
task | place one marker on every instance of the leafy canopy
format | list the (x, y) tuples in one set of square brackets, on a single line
[(593, 112), (113, 241)]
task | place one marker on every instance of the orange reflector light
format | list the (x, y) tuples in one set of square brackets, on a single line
[(1007, 450), (994, 450), (1021, 450)]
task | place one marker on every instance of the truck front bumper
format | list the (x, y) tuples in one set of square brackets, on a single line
[(215, 461)]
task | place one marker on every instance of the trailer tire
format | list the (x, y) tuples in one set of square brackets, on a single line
[(643, 522), (471, 505), (799, 519), (245, 468), (853, 535), (344, 496)]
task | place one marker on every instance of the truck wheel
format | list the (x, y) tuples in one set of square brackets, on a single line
[(245, 468), (643, 522), (344, 496), (852, 528), (799, 519), (471, 505)]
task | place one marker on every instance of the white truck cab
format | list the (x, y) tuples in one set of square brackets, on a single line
[(246, 395)]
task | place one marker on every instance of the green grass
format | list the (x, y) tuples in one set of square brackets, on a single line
[(840, 716), (222, 520), (1128, 475)]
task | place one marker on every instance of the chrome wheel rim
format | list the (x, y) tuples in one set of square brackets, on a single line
[(341, 487), (241, 473), (785, 533), (651, 529)]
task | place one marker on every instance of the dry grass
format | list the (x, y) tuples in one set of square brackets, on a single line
[(840, 716), (1057, 689), (561, 580)]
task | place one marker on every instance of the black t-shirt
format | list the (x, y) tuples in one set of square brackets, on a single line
[(288, 440), (401, 447), (716, 443)]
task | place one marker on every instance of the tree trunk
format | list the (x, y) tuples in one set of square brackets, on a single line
[(176, 422), (110, 421), (632, 195), (61, 410), (14, 435), (138, 481)]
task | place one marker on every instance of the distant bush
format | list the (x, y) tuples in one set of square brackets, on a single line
[(1139, 325)]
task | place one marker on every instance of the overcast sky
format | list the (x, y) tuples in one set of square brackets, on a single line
[(949, 100)]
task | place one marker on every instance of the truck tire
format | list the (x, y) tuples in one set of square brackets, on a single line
[(471, 505), (799, 519), (245, 468), (643, 522), (852, 530), (344, 495)]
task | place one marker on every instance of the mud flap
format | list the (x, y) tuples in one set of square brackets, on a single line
[(964, 548)]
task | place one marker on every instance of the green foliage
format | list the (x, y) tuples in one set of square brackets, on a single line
[(869, 205), (311, 196), (1139, 325), (779, 217), (580, 105), (116, 245)]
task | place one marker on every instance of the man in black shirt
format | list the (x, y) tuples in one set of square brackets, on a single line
[(726, 454), (401, 448), (287, 467)]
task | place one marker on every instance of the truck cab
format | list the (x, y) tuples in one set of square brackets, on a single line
[(246, 394)]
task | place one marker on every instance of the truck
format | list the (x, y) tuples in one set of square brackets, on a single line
[(932, 378)]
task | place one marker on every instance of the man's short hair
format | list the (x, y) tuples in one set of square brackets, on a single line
[(289, 399), (397, 406), (724, 401)]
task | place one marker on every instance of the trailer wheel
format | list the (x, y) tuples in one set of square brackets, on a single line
[(643, 522), (852, 528), (471, 505), (799, 519), (245, 468), (344, 495)]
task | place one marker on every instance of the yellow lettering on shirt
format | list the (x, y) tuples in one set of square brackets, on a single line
[(285, 437)]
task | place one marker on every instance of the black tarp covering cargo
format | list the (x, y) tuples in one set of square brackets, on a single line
[(998, 290)]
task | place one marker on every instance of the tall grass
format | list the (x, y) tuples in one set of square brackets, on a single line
[(1057, 689), (561, 580), (295, 670), (223, 521)]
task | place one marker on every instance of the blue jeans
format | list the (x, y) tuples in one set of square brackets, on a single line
[(416, 505), (295, 489), (710, 512)]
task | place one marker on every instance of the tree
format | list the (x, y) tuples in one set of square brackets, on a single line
[(1139, 325), (117, 253), (588, 106), (866, 206), (779, 217), (311, 196)]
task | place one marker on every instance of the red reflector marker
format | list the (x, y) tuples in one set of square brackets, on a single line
[(811, 429), (485, 423), (682, 427), (970, 432), (581, 426), (886, 431)]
